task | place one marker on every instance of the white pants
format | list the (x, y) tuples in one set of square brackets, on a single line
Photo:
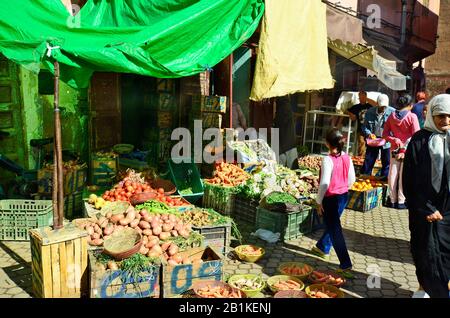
[(395, 181)]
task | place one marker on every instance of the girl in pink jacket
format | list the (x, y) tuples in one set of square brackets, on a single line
[(398, 130)]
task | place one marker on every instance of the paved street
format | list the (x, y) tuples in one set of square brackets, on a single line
[(377, 241)]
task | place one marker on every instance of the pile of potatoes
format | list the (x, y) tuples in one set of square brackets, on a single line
[(156, 230)]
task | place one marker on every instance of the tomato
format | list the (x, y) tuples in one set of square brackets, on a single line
[(112, 199), (138, 191), (127, 183), (161, 190), (128, 194)]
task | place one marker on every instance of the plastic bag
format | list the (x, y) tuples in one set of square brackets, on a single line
[(267, 235)]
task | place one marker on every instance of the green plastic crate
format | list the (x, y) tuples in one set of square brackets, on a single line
[(245, 209), (17, 217), (289, 225), (220, 199), (185, 175)]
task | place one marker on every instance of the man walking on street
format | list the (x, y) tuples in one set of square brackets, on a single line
[(374, 122)]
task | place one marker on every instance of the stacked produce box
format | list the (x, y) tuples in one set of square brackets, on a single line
[(75, 179), (161, 121), (104, 167)]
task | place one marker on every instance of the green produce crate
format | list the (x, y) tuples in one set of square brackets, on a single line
[(17, 217), (219, 198), (290, 225), (365, 201), (185, 175), (218, 237), (245, 209)]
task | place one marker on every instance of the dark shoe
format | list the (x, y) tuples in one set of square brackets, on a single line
[(401, 206)]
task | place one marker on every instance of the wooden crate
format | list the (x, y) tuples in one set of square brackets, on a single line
[(179, 279), (106, 283), (59, 262)]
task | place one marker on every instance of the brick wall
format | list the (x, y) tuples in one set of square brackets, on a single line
[(437, 67)]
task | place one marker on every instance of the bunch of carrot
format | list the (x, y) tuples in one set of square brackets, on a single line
[(287, 285), (226, 174), (296, 270), (322, 293), (219, 292)]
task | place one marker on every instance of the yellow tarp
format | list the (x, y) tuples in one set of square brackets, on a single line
[(293, 52)]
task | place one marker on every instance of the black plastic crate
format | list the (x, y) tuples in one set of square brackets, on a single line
[(245, 209), (218, 236)]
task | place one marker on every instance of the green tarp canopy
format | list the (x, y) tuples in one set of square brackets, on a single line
[(159, 38)]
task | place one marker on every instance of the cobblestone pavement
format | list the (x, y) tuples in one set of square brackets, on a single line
[(378, 242)]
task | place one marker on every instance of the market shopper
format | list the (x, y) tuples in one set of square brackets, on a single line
[(426, 180), (337, 175), (374, 122), (284, 121), (398, 130), (358, 112), (418, 107)]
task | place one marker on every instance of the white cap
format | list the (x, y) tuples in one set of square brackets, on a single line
[(383, 100)]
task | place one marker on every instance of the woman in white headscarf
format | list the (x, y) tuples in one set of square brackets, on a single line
[(426, 178)]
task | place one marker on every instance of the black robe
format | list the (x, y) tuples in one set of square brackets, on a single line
[(430, 242)]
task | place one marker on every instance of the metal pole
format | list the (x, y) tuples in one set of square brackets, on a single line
[(231, 89), (58, 164), (349, 134)]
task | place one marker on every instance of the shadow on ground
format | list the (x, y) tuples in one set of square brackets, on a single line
[(20, 274), (354, 288), (390, 249)]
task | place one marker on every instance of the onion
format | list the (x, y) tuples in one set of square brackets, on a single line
[(143, 249), (124, 221), (144, 225), (174, 233), (167, 227), (117, 217), (172, 218), (157, 249), (143, 212), (164, 235), (131, 213), (154, 224), (165, 246), (134, 223), (173, 249), (178, 227), (147, 232), (109, 215), (157, 230), (153, 242), (108, 230), (145, 240)]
